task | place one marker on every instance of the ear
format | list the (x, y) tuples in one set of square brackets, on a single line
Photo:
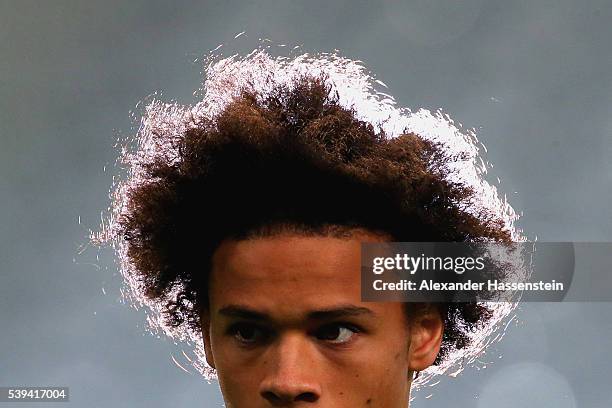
[(205, 326), (426, 331)]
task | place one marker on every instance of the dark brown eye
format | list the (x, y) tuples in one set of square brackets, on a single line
[(247, 333), (336, 333)]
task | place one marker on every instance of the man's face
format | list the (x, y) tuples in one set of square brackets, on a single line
[(286, 327)]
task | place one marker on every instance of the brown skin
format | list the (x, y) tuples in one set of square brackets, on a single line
[(286, 328)]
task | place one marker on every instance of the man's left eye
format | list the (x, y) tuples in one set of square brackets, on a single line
[(336, 333)]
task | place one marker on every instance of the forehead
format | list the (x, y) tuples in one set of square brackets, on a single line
[(288, 273)]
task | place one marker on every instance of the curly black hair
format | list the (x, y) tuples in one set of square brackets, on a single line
[(291, 159)]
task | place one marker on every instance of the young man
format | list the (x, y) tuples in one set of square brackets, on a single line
[(245, 227)]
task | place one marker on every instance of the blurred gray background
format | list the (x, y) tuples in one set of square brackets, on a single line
[(533, 77)]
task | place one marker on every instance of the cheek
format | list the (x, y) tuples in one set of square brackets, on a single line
[(239, 383), (237, 373), (383, 374), (375, 374)]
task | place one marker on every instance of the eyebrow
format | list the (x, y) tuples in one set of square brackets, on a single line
[(343, 311)]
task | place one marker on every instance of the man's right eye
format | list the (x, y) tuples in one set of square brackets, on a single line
[(247, 333)]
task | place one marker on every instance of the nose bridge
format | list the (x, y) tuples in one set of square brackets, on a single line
[(291, 374), (292, 347)]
